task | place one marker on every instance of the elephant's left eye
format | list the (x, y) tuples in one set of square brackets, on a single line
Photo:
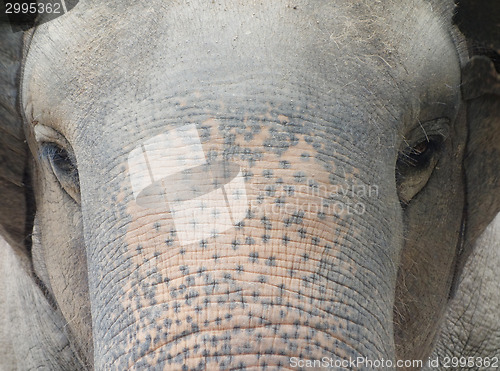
[(64, 168)]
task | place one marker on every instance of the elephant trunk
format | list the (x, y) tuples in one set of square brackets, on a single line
[(271, 269), (227, 308)]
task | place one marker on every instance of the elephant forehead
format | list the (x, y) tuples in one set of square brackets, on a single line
[(99, 49)]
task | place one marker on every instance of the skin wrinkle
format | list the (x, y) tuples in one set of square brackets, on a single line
[(312, 259), (66, 275), (172, 280), (275, 275), (468, 326), (315, 298), (156, 98), (287, 291), (270, 337), (242, 328)]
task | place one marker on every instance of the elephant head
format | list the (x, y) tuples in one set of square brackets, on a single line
[(245, 184)]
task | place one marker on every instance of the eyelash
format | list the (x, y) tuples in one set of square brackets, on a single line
[(58, 156), (63, 166), (419, 156)]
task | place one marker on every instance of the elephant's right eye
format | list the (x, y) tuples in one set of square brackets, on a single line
[(64, 168)]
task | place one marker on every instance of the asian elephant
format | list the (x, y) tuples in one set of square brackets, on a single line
[(244, 184)]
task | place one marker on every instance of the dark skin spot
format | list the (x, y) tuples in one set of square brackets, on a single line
[(302, 233), (289, 190), (254, 256), (285, 240), (271, 261), (300, 177), (284, 164), (247, 175), (267, 173), (280, 201)]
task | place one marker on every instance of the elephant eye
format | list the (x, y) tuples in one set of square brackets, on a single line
[(415, 165), (420, 155), (64, 168)]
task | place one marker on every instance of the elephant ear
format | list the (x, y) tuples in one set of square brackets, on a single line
[(479, 21), (13, 149)]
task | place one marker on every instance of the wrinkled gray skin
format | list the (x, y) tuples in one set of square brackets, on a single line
[(471, 327), (308, 99)]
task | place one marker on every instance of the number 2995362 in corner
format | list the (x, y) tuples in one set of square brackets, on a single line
[(475, 363), (23, 15)]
